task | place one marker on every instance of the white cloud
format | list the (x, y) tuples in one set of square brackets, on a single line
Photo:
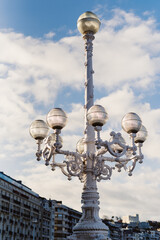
[(49, 35), (32, 71), (136, 194), (127, 49)]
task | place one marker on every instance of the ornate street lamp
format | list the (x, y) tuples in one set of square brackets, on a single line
[(90, 162)]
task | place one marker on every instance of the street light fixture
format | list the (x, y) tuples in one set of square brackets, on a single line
[(89, 162)]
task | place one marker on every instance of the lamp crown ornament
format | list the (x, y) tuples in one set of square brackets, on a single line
[(89, 162)]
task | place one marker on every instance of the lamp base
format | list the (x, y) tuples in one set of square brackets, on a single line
[(89, 236), (90, 230)]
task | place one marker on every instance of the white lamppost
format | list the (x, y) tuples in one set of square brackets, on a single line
[(94, 159)]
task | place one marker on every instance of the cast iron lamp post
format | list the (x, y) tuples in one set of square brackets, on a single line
[(94, 159)]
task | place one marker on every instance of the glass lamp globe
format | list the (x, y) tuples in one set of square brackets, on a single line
[(97, 116), (131, 123), (80, 146), (117, 147), (88, 22), (141, 135), (57, 118), (39, 129)]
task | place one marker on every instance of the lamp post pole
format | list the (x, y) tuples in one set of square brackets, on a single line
[(90, 225), (89, 163)]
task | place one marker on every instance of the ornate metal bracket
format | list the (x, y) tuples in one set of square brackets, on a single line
[(74, 165)]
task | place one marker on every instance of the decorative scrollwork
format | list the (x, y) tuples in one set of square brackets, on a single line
[(74, 165), (48, 150), (115, 146), (62, 166), (102, 170), (132, 166)]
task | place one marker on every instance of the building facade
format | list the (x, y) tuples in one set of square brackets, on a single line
[(130, 219), (65, 219), (24, 214), (132, 231), (47, 219)]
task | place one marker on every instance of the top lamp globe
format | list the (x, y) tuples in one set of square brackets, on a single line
[(88, 22)]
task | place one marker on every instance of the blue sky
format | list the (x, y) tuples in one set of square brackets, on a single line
[(42, 66), (38, 17)]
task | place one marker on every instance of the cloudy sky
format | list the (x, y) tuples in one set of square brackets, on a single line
[(42, 67)]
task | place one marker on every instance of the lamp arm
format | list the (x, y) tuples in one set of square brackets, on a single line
[(72, 166), (140, 152), (108, 145), (74, 163), (103, 171), (47, 153), (62, 166), (68, 153), (101, 151), (39, 151), (132, 167)]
